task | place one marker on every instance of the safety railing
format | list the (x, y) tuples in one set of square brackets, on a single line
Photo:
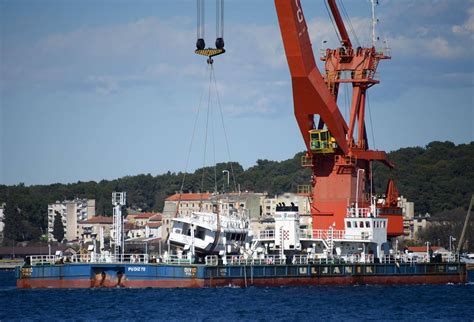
[(176, 259), (87, 258), (325, 233), (211, 260), (267, 260), (361, 213)]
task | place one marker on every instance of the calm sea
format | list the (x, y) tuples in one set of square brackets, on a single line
[(421, 302)]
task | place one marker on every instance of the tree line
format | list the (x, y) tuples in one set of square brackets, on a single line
[(438, 178)]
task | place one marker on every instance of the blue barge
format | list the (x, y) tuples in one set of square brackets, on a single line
[(140, 275)]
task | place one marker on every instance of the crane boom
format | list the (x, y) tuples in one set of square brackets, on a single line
[(310, 93)]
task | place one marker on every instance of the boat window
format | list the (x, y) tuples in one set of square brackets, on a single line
[(315, 136), (348, 224), (324, 136), (361, 224), (355, 224), (367, 224)]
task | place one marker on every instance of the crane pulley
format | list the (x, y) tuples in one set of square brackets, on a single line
[(200, 42)]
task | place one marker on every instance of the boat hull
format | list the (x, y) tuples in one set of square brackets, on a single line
[(194, 276)]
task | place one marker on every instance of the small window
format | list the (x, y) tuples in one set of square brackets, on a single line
[(361, 224), (367, 224), (355, 224), (348, 224)]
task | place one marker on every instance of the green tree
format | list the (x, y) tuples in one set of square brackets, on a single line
[(13, 230), (58, 228)]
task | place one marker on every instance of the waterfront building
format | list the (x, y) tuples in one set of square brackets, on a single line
[(90, 229), (2, 217), (144, 225), (408, 210), (420, 222), (72, 212)]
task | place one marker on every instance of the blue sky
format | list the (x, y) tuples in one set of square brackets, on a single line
[(93, 90)]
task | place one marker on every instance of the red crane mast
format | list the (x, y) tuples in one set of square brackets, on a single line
[(338, 153)]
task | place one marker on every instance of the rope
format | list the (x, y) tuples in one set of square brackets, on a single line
[(223, 127), (333, 23), (222, 19), (346, 100), (370, 117), (214, 151), (205, 133), (349, 22), (189, 150), (219, 19)]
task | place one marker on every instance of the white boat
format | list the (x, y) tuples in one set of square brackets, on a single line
[(211, 232), (467, 258)]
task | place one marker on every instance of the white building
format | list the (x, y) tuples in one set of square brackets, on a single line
[(408, 210), (2, 217), (95, 228), (72, 212)]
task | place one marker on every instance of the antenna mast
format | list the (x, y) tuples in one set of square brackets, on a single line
[(118, 201), (374, 21)]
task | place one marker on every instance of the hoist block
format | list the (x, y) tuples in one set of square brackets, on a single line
[(209, 52)]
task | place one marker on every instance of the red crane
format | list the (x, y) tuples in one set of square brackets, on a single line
[(338, 153)]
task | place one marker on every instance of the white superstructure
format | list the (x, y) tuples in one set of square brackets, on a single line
[(364, 235), (210, 232)]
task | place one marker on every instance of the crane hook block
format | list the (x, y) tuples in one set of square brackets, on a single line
[(210, 52)]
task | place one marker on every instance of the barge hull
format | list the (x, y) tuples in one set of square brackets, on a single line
[(196, 276)]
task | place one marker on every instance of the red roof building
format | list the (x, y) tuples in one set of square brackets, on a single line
[(97, 220), (155, 218), (145, 215), (422, 249), (189, 196)]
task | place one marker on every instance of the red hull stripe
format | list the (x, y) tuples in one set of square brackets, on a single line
[(219, 282)]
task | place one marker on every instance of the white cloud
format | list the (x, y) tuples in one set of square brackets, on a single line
[(438, 47), (468, 27)]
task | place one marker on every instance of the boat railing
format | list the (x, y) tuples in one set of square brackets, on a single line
[(43, 259), (88, 258), (359, 213), (325, 233), (300, 259), (266, 260), (413, 259), (176, 259), (363, 235), (211, 260)]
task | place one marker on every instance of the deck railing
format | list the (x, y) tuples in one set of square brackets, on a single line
[(88, 258)]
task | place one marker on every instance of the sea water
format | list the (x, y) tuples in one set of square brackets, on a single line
[(415, 302)]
